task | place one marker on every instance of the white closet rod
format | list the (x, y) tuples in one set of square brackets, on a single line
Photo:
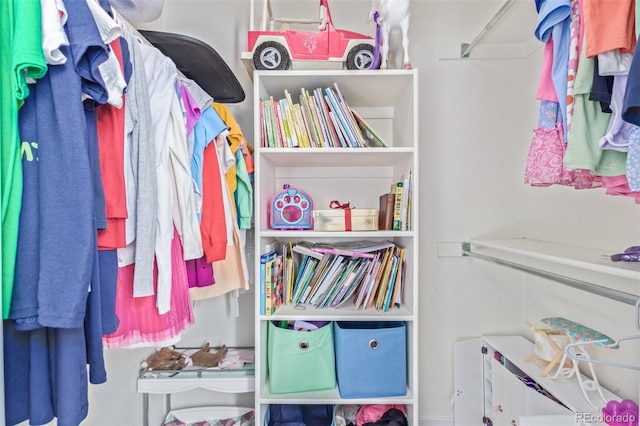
[(620, 296), (466, 48)]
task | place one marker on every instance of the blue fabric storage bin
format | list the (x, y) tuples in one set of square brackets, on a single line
[(299, 415), (300, 361), (371, 358)]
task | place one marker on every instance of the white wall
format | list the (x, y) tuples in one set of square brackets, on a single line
[(477, 118)]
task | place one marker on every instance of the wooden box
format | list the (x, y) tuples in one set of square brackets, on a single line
[(345, 220)]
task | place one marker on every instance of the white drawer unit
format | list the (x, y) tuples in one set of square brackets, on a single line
[(495, 386)]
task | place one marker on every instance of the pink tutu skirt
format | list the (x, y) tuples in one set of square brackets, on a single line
[(140, 323)]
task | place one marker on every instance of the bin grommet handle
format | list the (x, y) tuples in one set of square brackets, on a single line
[(304, 345), (373, 344)]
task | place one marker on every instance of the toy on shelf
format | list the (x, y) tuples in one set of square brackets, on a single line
[(291, 209), (548, 348), (284, 48), (580, 336), (389, 15)]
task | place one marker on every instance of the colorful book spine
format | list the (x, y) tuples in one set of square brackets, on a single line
[(268, 288), (397, 209), (264, 260)]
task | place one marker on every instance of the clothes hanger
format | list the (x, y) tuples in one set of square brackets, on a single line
[(571, 353)]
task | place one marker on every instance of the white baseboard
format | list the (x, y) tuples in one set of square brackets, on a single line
[(436, 421)]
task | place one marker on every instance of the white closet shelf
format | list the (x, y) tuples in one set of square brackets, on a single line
[(343, 313), (336, 157), (586, 269), (330, 396), (582, 258), (286, 233)]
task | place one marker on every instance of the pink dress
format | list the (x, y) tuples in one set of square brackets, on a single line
[(140, 323), (545, 160)]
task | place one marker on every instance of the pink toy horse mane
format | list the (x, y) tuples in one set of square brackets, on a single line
[(387, 15)]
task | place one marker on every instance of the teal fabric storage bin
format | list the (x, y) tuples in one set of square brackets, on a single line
[(371, 358), (300, 361)]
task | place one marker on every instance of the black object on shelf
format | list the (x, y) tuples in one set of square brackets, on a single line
[(200, 62)]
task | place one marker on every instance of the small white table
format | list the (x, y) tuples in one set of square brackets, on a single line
[(167, 382)]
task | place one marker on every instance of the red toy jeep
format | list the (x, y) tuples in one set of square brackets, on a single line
[(279, 50)]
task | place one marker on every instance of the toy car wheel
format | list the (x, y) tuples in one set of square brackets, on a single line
[(271, 55), (360, 57)]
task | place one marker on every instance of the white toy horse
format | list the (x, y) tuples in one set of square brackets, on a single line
[(387, 15)]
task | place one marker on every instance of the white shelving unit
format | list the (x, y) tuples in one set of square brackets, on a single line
[(388, 100)]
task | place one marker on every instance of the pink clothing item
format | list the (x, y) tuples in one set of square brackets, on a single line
[(545, 162), (546, 90), (200, 273), (619, 185), (373, 413), (574, 54), (192, 110), (584, 179), (140, 323)]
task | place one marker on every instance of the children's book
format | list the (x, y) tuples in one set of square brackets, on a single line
[(371, 136), (264, 260)]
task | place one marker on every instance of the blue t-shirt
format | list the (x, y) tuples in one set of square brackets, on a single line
[(553, 22), (66, 231), (206, 129)]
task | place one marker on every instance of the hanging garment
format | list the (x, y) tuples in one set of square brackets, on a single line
[(140, 175), (589, 124), (554, 23), (544, 162), (243, 195), (54, 17), (617, 135), (161, 78), (230, 273), (184, 206), (59, 186), (191, 108), (46, 370), (111, 143), (140, 323), (21, 58), (610, 25), (601, 88), (200, 273), (213, 222), (618, 185), (574, 53), (206, 129), (633, 159)]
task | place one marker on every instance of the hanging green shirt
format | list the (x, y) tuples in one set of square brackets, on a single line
[(20, 57)]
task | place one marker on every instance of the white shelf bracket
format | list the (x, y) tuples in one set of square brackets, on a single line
[(466, 48)]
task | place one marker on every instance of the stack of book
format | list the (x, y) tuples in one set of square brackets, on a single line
[(364, 273), (394, 212), (321, 119)]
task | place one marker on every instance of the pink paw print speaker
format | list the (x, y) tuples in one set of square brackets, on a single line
[(291, 209)]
